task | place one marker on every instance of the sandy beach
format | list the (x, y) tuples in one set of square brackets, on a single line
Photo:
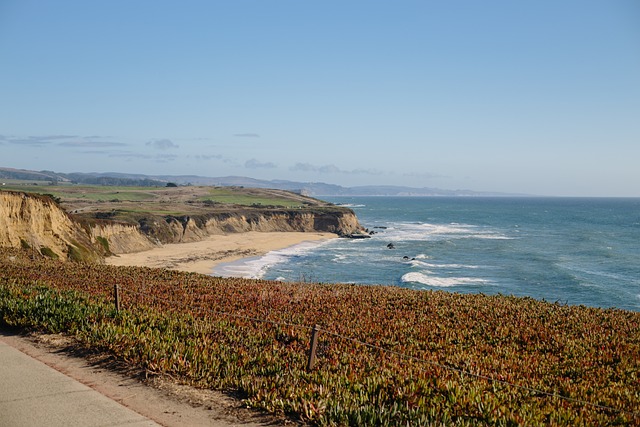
[(203, 256)]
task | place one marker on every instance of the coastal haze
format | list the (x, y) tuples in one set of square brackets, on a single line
[(537, 98), (308, 188)]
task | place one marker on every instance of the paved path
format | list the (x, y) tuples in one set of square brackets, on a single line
[(42, 384), (33, 394)]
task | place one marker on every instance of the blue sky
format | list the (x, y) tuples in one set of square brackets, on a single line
[(538, 97)]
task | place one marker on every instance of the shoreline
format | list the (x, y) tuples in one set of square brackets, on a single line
[(204, 255)]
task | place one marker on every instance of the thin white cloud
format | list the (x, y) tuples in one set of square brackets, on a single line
[(57, 137), (129, 155), (97, 137), (208, 156), (165, 158), (247, 135), (92, 144), (330, 169), (424, 175), (162, 144), (29, 141), (333, 169), (61, 140), (74, 141), (218, 157), (304, 167), (255, 164)]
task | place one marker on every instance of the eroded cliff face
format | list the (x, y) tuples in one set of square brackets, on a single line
[(339, 222), (190, 229), (119, 238), (38, 222)]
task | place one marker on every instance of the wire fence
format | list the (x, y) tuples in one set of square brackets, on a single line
[(316, 330)]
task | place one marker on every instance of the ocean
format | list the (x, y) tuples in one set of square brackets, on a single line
[(578, 251)]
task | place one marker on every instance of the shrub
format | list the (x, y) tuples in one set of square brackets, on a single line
[(48, 252), (104, 243)]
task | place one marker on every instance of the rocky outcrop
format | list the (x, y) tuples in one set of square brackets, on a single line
[(38, 222)]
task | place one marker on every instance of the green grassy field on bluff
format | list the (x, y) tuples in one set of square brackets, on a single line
[(386, 355), (128, 203)]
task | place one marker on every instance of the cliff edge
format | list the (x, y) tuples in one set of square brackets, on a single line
[(36, 221)]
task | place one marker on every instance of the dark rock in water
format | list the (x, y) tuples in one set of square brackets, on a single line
[(356, 236), (391, 246), (405, 257), (381, 227)]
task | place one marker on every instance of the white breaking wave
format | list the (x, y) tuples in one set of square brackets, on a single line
[(432, 232), (441, 282), (247, 268), (418, 263), (340, 257), (256, 267)]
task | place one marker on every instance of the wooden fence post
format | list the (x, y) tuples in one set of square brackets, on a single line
[(116, 295), (313, 348)]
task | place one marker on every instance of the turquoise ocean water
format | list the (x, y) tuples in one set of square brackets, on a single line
[(569, 250)]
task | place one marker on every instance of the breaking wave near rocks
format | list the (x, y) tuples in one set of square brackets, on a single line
[(441, 282)]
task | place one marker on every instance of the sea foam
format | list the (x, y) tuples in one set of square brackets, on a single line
[(418, 263), (256, 267), (405, 231), (440, 282)]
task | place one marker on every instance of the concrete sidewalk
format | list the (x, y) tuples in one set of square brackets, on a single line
[(33, 394)]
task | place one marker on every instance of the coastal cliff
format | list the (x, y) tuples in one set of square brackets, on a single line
[(38, 222), (159, 230), (33, 221)]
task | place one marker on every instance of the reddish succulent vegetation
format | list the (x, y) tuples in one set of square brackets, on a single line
[(386, 355)]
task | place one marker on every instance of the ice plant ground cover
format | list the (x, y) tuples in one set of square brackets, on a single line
[(386, 355)]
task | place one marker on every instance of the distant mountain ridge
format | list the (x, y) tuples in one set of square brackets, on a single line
[(308, 188)]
